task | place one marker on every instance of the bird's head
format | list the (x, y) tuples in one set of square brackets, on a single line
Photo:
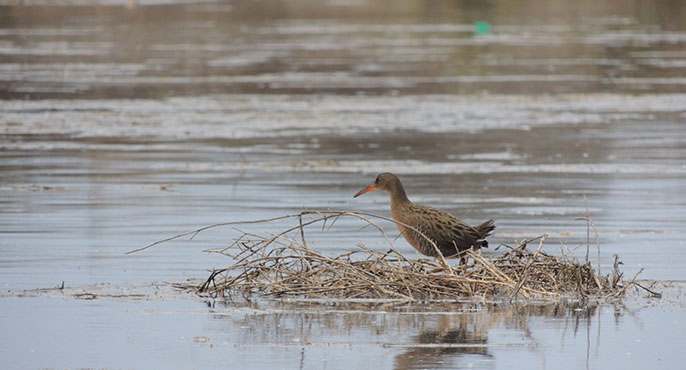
[(384, 181)]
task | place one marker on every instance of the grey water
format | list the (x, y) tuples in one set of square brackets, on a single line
[(124, 122)]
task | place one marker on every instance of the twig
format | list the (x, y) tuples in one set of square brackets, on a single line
[(196, 231), (590, 224), (302, 231), (528, 266), (653, 293), (630, 283)]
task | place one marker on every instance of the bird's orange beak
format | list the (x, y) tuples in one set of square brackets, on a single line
[(368, 188)]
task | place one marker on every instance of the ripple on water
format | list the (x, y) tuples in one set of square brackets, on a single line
[(241, 116)]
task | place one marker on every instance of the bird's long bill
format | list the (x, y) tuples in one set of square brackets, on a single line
[(368, 188)]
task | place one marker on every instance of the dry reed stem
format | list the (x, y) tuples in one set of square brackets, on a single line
[(280, 266), (527, 267)]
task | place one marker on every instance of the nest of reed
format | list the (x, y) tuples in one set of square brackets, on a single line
[(283, 266)]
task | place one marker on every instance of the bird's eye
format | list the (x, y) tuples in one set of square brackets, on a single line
[(376, 181)]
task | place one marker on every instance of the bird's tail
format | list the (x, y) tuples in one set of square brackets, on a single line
[(484, 231)]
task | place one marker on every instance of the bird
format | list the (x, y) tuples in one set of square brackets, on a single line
[(452, 236)]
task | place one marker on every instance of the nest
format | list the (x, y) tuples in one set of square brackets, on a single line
[(283, 266)]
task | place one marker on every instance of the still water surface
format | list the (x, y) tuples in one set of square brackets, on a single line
[(125, 122)]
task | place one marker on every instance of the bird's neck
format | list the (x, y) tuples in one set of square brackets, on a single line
[(398, 196)]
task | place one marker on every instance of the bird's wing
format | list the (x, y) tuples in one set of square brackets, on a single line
[(442, 227)]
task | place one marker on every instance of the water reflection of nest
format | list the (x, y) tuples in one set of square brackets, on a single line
[(283, 266)]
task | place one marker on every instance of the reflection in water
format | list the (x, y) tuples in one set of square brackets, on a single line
[(453, 336), (438, 335), (163, 325)]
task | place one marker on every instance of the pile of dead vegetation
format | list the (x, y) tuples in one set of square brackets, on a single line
[(282, 265)]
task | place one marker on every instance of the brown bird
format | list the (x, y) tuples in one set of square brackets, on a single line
[(451, 236)]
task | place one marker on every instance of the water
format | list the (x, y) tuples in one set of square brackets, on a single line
[(126, 122), (183, 332)]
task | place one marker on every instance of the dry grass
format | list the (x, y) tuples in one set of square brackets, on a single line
[(282, 265)]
